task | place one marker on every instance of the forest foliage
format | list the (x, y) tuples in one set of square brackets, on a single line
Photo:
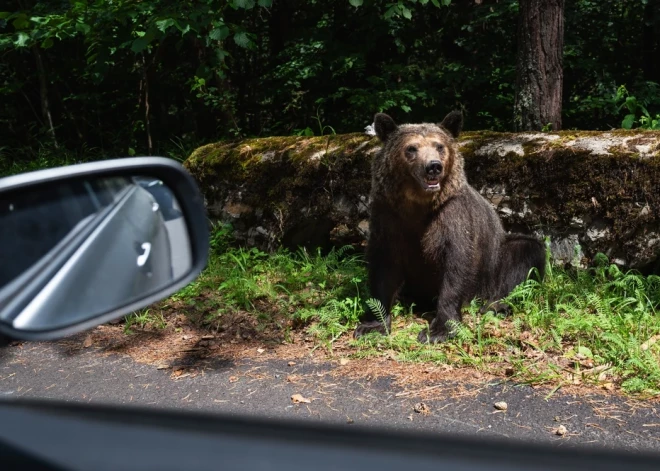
[(126, 77)]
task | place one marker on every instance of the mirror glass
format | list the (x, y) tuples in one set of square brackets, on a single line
[(76, 249)]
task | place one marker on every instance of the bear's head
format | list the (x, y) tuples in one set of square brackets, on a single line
[(426, 151)]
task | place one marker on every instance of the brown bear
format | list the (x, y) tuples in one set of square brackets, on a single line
[(431, 232)]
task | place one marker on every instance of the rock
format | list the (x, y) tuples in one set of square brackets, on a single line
[(566, 250), (589, 192), (576, 223), (235, 210), (598, 232), (561, 431), (363, 227)]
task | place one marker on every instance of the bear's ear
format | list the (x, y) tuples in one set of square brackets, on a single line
[(453, 123), (384, 126)]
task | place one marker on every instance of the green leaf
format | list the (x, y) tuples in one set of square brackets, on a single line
[(406, 108), (407, 14), (436, 3), (446, 3), (21, 21), (628, 121), (162, 25), (140, 44), (585, 351), (22, 39), (246, 4), (391, 11), (265, 3), (4, 15), (47, 43), (220, 33), (242, 39), (221, 55), (356, 3), (83, 28)]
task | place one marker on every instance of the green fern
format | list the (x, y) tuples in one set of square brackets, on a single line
[(379, 311)]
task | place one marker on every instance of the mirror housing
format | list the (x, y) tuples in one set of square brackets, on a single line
[(86, 244)]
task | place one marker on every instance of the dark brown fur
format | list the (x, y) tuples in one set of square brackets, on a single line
[(432, 232)]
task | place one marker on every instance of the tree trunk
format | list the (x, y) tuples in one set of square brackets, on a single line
[(147, 105), (43, 90), (539, 72)]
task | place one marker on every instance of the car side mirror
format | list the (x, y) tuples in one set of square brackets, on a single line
[(86, 244)]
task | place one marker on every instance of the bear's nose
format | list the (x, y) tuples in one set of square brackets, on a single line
[(434, 167)]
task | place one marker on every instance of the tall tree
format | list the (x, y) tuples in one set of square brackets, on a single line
[(539, 68)]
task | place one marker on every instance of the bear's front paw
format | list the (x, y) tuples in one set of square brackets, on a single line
[(366, 327), (426, 336)]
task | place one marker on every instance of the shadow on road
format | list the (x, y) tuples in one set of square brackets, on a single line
[(155, 347)]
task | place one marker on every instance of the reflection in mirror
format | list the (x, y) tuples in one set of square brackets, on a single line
[(73, 250)]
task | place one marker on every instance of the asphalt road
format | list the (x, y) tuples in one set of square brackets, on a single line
[(49, 370)]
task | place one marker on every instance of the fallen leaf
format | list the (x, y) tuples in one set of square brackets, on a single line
[(587, 363), (163, 367), (291, 363), (608, 386), (233, 379), (501, 405), (343, 361), (298, 399), (349, 421), (260, 350), (208, 337), (88, 342)]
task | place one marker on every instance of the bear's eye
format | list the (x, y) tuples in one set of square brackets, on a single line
[(440, 147), (411, 149)]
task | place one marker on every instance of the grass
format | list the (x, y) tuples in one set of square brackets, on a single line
[(144, 318), (597, 325), (281, 289)]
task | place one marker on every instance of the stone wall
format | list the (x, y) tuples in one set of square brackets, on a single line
[(588, 191)]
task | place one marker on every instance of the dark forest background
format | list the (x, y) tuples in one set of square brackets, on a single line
[(89, 79)]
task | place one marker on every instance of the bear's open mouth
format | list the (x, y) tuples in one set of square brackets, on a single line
[(432, 183)]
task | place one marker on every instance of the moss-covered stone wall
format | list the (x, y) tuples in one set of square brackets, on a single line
[(589, 191)]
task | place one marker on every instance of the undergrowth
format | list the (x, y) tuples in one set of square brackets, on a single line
[(586, 325)]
